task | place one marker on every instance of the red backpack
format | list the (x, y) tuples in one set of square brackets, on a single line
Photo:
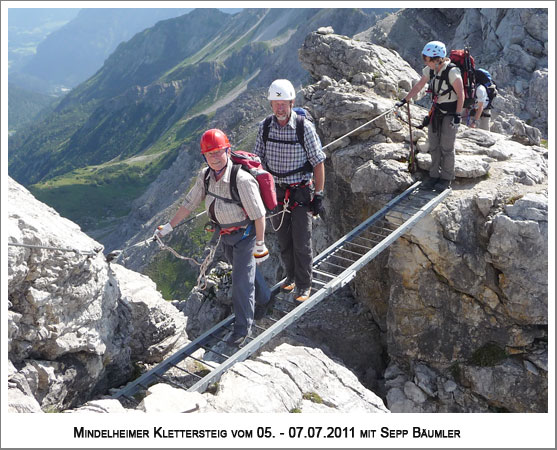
[(251, 164), (465, 62)]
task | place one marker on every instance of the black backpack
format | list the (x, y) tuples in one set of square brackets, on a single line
[(301, 115)]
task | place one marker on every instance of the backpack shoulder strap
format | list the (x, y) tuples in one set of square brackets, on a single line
[(206, 177), (444, 76), (300, 132), (266, 128), (234, 183)]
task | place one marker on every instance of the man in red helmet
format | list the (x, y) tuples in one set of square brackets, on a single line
[(241, 226)]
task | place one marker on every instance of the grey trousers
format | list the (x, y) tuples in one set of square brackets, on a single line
[(441, 148), (248, 285), (294, 236), (484, 122)]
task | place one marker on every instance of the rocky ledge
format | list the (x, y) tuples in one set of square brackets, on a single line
[(462, 298)]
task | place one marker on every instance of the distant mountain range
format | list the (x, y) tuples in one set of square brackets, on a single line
[(113, 134), (25, 106), (75, 51), (28, 27)]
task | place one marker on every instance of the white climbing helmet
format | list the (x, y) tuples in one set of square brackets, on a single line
[(281, 90), (434, 49)]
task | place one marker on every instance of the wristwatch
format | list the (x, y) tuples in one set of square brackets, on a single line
[(319, 193)]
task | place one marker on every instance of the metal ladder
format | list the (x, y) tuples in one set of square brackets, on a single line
[(332, 269)]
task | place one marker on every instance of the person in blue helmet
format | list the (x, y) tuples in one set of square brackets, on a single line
[(448, 101)]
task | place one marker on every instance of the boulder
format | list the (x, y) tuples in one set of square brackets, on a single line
[(76, 324)]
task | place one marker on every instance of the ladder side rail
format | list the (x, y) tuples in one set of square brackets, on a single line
[(351, 271), (341, 280), (357, 230), (133, 386), (246, 351), (367, 222)]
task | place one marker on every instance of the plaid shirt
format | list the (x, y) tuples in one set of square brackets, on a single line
[(227, 214), (282, 157)]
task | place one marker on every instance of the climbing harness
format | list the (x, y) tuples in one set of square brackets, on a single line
[(288, 204)]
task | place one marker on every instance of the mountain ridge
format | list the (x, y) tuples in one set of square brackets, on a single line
[(56, 151)]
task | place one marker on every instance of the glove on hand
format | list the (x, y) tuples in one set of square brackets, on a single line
[(456, 121), (260, 252), (401, 103), (163, 230), (316, 205)]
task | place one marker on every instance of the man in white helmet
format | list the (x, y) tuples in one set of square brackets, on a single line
[(290, 149), (448, 101)]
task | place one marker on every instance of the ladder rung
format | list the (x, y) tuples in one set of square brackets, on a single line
[(130, 398), (359, 245), (332, 264), (168, 380), (384, 229), (376, 234), (368, 240), (342, 258), (326, 274), (202, 362), (318, 282), (186, 371), (350, 251), (280, 311), (214, 351), (410, 206)]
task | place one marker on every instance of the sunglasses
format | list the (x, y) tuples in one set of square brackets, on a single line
[(217, 153)]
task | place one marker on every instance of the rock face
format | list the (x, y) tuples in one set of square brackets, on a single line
[(76, 325), (289, 379), (302, 378), (462, 298), (512, 43)]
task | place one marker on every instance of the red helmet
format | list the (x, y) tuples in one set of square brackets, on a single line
[(212, 140)]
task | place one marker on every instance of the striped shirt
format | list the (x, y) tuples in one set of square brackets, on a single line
[(283, 157), (227, 214)]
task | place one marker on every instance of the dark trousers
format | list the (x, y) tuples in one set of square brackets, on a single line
[(294, 236), (248, 286)]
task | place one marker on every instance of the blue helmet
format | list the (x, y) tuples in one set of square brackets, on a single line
[(434, 49)]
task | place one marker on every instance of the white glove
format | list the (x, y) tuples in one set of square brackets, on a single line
[(163, 230), (261, 253)]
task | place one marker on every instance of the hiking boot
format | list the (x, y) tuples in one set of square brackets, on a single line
[(288, 286), (429, 182), (441, 185), (301, 295), (265, 309), (238, 340)]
